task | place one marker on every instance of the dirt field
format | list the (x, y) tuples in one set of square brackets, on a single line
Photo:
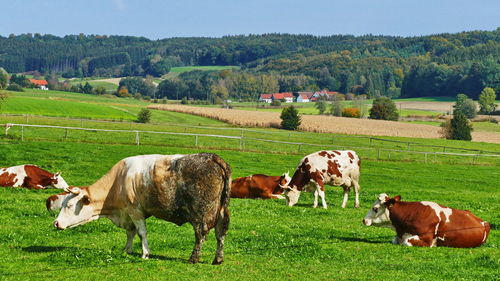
[(442, 107), (323, 124)]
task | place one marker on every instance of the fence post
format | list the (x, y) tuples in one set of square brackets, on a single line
[(26, 118), (137, 137), (473, 159), (378, 153), (195, 140), (66, 134), (81, 123), (333, 139), (241, 143), (370, 141), (408, 146), (22, 133), (299, 146), (389, 156), (241, 132), (425, 158)]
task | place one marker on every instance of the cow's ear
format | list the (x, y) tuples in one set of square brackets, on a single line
[(85, 200), (389, 203), (397, 198)]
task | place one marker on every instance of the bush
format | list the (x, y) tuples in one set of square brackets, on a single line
[(184, 100), (487, 101), (384, 108), (352, 112), (337, 106), (320, 106), (144, 116), (465, 105), (275, 103), (15, 87), (137, 96), (290, 119)]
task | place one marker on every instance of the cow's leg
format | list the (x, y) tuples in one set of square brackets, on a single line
[(140, 225), (356, 193), (321, 192), (277, 196), (220, 232), (131, 232), (316, 191), (346, 196), (200, 233), (396, 240), (416, 240)]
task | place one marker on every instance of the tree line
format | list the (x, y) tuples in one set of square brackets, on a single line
[(435, 65)]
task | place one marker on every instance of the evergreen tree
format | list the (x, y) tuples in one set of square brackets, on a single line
[(144, 116), (460, 127), (290, 119)]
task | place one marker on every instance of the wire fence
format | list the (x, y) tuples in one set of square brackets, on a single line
[(241, 142)]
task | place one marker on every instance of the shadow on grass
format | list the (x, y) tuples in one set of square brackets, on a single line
[(45, 249), (377, 240)]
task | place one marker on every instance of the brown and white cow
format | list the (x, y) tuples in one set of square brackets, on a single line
[(177, 188), (337, 168), (31, 176), (259, 186), (427, 224)]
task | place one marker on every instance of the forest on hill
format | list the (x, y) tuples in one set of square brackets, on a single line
[(434, 65)]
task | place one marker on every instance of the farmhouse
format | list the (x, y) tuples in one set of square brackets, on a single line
[(266, 98), (304, 96), (287, 97), (41, 84), (328, 95)]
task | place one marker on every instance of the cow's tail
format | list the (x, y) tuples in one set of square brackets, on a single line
[(226, 170), (222, 223)]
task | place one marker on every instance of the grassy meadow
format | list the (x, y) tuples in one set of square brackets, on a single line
[(267, 240)]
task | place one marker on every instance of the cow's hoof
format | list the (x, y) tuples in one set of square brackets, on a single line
[(356, 206), (128, 250), (217, 261), (145, 256), (194, 260)]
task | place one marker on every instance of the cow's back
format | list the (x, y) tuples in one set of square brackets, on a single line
[(463, 230), (187, 188)]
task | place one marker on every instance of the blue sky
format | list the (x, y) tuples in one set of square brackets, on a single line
[(157, 19)]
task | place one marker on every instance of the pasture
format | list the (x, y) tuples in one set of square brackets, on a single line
[(267, 240)]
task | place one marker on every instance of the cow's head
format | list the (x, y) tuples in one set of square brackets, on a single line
[(292, 194), (379, 213), (76, 209), (58, 182), (285, 180), (54, 203)]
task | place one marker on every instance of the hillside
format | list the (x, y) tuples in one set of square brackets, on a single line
[(434, 65)]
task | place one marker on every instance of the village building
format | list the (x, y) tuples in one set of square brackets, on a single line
[(40, 84), (304, 96), (286, 97)]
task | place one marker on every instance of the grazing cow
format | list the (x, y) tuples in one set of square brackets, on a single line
[(31, 176), (337, 168), (427, 224), (259, 186), (177, 188)]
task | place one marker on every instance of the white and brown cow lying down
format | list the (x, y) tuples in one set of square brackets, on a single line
[(259, 186), (427, 224), (177, 188), (337, 168), (31, 176)]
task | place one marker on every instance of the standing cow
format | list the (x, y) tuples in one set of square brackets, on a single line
[(31, 176), (177, 188), (337, 168), (259, 186), (427, 224)]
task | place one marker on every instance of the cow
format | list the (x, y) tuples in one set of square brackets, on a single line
[(32, 177), (427, 224), (259, 186), (337, 168), (177, 188)]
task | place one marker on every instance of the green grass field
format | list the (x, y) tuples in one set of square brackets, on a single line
[(266, 240), (174, 71)]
